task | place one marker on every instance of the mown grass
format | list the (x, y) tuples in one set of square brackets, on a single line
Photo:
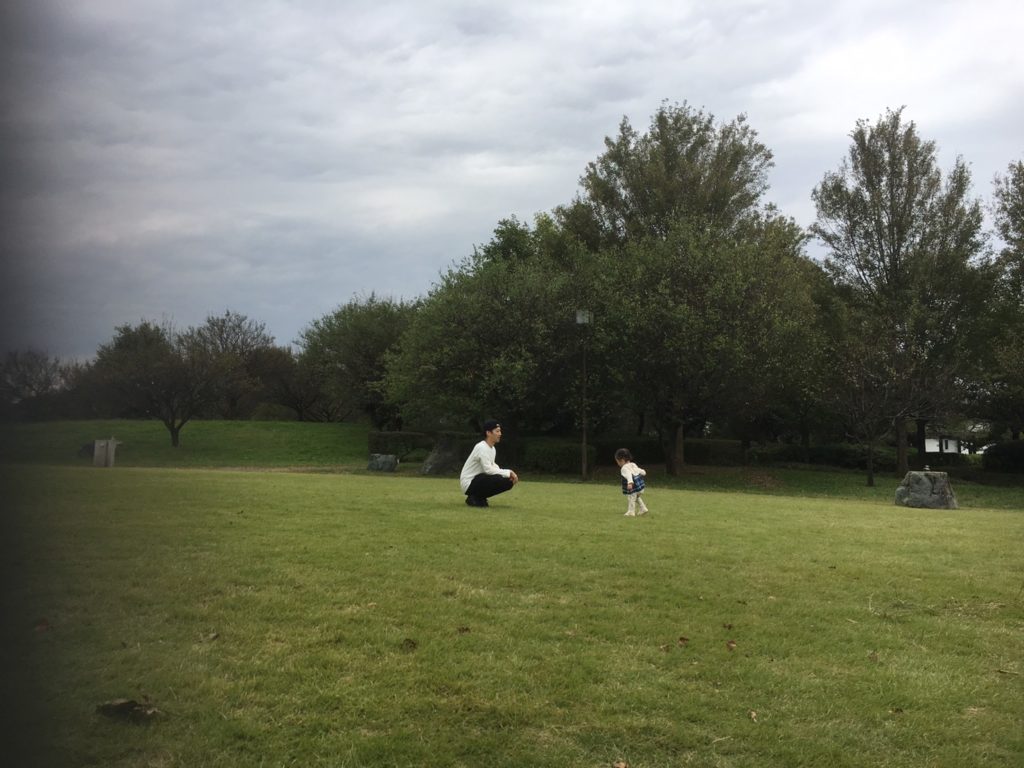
[(203, 443), (366, 620), (309, 446)]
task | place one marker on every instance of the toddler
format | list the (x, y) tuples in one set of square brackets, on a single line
[(632, 482)]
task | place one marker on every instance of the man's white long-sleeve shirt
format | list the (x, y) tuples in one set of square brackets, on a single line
[(480, 461)]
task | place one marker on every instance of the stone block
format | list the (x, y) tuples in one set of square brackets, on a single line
[(383, 462), (926, 490)]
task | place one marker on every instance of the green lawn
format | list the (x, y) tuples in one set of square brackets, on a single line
[(350, 619), (277, 444)]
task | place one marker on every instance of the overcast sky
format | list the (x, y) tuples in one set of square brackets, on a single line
[(171, 159)]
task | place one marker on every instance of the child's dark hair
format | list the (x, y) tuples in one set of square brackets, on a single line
[(624, 454)]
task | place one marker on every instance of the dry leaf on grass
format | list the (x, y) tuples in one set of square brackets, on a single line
[(731, 645), (409, 645), (752, 715), (128, 709), (620, 764), (683, 640)]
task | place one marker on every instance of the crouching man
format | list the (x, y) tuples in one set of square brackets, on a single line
[(481, 478)]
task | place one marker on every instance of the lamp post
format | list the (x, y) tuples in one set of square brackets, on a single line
[(584, 318)]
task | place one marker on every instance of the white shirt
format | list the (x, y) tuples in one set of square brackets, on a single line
[(480, 461)]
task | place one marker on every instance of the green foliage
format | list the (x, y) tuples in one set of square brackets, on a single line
[(244, 354), (152, 371), (553, 455), (495, 337), (1005, 457), (645, 449), (400, 444), (686, 167), (842, 455), (907, 248), (346, 353)]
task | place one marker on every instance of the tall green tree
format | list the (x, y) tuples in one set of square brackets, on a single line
[(1002, 386), (239, 347), (685, 167), (154, 371), (704, 262), (497, 336), (907, 242), (347, 349)]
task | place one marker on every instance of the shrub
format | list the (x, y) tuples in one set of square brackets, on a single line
[(1004, 457), (553, 454), (719, 453), (401, 444), (645, 449)]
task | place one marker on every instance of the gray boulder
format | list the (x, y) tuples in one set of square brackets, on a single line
[(444, 459), (383, 462), (926, 490)]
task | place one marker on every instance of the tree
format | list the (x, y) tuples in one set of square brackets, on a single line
[(236, 344), (679, 208), (347, 350), (909, 247), (864, 392), (1002, 385), (27, 377), (686, 167), (153, 371), (497, 337)]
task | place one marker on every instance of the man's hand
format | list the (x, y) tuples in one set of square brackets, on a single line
[(629, 486), (513, 477)]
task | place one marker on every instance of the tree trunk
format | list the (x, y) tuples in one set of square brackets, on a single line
[(175, 432), (902, 464), (674, 454), (805, 442), (871, 465), (922, 458)]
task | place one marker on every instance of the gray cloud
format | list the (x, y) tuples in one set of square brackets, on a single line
[(174, 158)]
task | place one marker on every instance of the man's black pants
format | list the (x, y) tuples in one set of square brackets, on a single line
[(484, 486)]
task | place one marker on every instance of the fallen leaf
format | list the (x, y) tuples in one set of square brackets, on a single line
[(409, 645), (212, 636), (731, 645), (463, 630), (752, 715), (620, 764), (727, 626), (666, 647), (896, 711), (683, 640), (128, 709)]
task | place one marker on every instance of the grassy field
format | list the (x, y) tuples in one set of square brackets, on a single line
[(314, 447), (349, 619), (276, 444)]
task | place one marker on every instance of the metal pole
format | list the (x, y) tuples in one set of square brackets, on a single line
[(583, 451)]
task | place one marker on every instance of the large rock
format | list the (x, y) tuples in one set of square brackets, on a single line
[(383, 462), (926, 490), (445, 459)]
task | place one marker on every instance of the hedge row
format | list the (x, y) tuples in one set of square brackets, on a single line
[(1004, 457), (562, 455)]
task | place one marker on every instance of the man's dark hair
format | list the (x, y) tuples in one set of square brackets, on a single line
[(624, 454), (490, 425)]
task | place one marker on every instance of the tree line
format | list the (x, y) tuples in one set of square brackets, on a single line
[(706, 314)]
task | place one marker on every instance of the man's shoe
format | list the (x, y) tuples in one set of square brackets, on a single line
[(482, 503), (471, 501)]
